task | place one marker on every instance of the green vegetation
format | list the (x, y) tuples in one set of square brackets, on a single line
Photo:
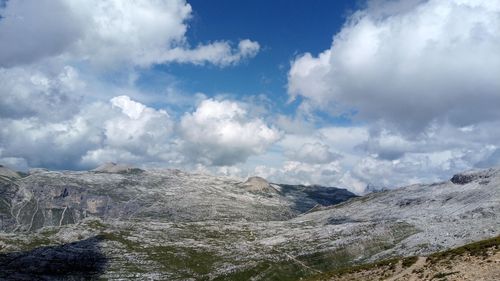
[(96, 224), (479, 248), (284, 267), (270, 270), (133, 171), (36, 242), (389, 264), (407, 262), (443, 275), (183, 262), (22, 174)]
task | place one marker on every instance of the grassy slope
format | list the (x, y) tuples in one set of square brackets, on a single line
[(438, 266)]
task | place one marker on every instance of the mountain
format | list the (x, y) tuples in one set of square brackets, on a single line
[(118, 192), (159, 224)]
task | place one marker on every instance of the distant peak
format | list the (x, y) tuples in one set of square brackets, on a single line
[(112, 167), (256, 179), (258, 184)]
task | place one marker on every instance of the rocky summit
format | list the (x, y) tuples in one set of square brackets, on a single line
[(122, 223)]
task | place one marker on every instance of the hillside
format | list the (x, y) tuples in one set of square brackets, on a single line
[(137, 224), (475, 261)]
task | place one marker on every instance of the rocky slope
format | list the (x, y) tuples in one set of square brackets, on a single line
[(171, 225), (117, 192)]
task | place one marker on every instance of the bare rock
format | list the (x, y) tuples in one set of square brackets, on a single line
[(482, 176), (258, 184), (34, 171), (115, 168), (8, 173)]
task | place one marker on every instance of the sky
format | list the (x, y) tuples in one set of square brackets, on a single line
[(357, 94)]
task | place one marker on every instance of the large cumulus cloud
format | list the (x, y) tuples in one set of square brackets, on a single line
[(216, 133), (222, 133), (421, 80), (108, 33), (120, 129), (409, 65)]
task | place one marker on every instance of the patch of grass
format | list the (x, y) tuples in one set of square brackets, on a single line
[(407, 262), (386, 265), (132, 171), (443, 274), (269, 270), (49, 231), (22, 174), (479, 248), (184, 260), (120, 237), (96, 224), (402, 230), (37, 242)]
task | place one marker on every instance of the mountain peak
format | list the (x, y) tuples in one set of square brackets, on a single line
[(115, 168), (258, 184)]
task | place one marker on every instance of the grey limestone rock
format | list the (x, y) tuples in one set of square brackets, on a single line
[(162, 224)]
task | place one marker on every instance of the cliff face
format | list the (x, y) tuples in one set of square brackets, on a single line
[(171, 225)]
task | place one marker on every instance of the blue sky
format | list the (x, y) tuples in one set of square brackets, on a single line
[(343, 93), (283, 28)]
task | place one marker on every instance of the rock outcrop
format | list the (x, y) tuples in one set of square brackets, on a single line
[(258, 184), (8, 173), (481, 176)]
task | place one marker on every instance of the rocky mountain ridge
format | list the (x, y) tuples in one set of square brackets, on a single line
[(170, 225), (118, 192)]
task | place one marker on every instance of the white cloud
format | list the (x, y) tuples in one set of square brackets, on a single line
[(422, 78), (219, 53), (129, 107), (58, 107), (94, 135), (138, 129), (429, 61), (29, 92), (314, 153), (31, 30), (222, 133), (108, 33), (381, 159)]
